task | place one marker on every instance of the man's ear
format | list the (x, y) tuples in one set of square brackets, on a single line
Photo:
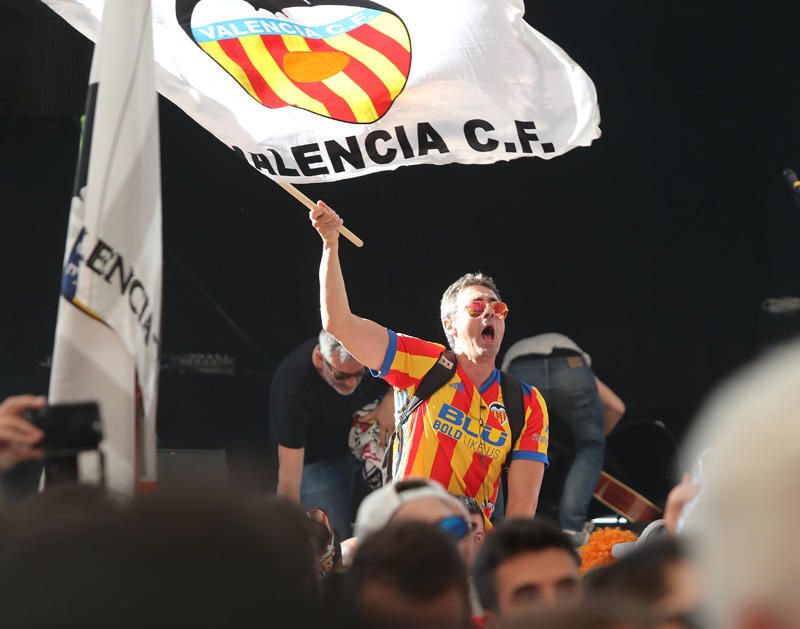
[(449, 329), (316, 357)]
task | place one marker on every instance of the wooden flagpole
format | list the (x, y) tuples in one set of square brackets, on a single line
[(311, 206)]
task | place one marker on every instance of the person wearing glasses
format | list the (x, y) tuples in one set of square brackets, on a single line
[(417, 500), (318, 390), (460, 436)]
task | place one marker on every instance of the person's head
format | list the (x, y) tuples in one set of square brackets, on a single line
[(657, 575), (416, 500), (744, 524), (163, 561), (60, 506), (409, 574), (525, 563), (472, 325), (335, 364), (477, 521), (590, 613)]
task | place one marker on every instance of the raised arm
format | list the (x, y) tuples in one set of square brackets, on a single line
[(366, 340)]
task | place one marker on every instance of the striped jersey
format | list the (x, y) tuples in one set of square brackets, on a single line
[(460, 436)]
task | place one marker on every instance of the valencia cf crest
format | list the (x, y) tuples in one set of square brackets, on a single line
[(500, 411), (342, 59)]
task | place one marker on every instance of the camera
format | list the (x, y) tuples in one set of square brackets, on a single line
[(68, 428)]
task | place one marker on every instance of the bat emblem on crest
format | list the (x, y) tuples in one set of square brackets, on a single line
[(496, 407)]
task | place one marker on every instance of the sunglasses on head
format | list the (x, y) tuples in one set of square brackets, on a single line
[(477, 307), (454, 526), (341, 376)]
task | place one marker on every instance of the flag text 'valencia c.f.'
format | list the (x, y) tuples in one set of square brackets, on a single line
[(313, 90)]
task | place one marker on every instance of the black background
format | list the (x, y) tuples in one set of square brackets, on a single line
[(653, 248)]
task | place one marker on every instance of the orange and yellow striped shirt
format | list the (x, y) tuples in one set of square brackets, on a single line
[(460, 436)]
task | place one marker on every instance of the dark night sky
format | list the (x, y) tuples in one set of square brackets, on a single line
[(653, 248)]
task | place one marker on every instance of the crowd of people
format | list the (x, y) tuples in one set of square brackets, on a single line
[(407, 497)]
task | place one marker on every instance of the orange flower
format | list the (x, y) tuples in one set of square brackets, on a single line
[(596, 551)]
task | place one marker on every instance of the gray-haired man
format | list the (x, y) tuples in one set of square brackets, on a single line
[(316, 392)]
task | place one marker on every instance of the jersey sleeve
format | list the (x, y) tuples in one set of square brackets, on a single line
[(407, 360), (533, 441)]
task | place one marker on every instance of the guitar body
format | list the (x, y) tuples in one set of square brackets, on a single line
[(624, 500), (613, 493)]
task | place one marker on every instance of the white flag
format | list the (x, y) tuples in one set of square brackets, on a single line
[(319, 90), (107, 335)]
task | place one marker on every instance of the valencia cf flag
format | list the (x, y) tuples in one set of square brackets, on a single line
[(308, 91)]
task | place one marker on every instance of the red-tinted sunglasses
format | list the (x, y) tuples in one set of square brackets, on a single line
[(477, 307)]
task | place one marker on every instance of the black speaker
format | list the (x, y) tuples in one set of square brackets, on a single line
[(209, 411), (220, 412)]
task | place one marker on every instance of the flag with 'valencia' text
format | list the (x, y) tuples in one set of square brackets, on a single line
[(109, 314), (319, 90)]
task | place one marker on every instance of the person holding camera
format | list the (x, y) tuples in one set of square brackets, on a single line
[(18, 437)]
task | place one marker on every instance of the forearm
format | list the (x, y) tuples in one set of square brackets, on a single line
[(364, 339), (289, 486), (611, 418), (290, 472), (524, 483), (522, 506), (385, 417), (334, 305), (613, 406)]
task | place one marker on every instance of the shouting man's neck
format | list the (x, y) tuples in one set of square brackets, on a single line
[(478, 371)]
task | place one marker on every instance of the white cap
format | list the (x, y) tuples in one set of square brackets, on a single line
[(653, 531), (378, 507)]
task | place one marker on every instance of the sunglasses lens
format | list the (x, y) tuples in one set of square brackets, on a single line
[(475, 308), (454, 526), (500, 309)]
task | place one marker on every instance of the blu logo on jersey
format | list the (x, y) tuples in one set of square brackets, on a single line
[(451, 418)]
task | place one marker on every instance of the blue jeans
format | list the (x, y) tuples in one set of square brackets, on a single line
[(329, 485), (570, 391)]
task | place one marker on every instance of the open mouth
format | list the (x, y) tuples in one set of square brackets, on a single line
[(487, 334)]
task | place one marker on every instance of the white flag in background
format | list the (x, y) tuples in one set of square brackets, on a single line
[(107, 335), (316, 90)]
